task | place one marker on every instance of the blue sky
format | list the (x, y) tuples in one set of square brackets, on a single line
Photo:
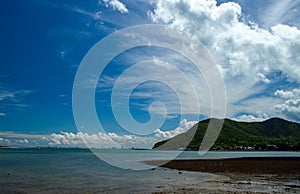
[(255, 45)]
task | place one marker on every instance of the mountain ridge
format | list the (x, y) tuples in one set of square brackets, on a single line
[(271, 134)]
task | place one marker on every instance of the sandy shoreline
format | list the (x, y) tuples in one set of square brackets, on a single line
[(244, 175), (251, 165)]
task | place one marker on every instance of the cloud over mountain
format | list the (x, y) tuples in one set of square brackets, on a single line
[(290, 108), (247, 54)]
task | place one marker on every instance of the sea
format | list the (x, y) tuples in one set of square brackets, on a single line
[(49, 170)]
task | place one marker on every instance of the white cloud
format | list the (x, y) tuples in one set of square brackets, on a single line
[(4, 141), (110, 140), (183, 127), (246, 54), (23, 141), (290, 107), (80, 139), (259, 116), (263, 78), (186, 125), (244, 49), (288, 94), (14, 142), (116, 5), (2, 114), (4, 95), (98, 140)]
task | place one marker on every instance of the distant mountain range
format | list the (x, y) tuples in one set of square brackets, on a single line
[(272, 134)]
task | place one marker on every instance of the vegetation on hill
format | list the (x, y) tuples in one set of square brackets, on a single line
[(272, 134)]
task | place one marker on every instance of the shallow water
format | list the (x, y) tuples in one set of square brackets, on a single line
[(131, 159), (80, 171)]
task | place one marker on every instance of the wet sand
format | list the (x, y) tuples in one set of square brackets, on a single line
[(254, 165), (240, 175)]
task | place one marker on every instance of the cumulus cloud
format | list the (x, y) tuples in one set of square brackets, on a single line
[(116, 5), (80, 139), (183, 127), (246, 54), (2, 114), (295, 93), (245, 49), (15, 142), (259, 116), (290, 108), (97, 140), (109, 140)]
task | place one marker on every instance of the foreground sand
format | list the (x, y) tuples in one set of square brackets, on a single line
[(254, 165), (241, 175)]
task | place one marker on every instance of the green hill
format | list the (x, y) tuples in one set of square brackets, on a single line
[(272, 134)]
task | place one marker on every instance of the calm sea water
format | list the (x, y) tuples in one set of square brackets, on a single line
[(131, 159), (81, 171)]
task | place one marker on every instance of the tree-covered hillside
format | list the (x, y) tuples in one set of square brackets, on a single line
[(272, 134)]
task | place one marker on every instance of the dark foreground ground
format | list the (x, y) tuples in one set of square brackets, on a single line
[(241, 175), (255, 165)]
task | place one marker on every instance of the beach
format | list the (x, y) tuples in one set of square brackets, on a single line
[(241, 175), (251, 165)]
